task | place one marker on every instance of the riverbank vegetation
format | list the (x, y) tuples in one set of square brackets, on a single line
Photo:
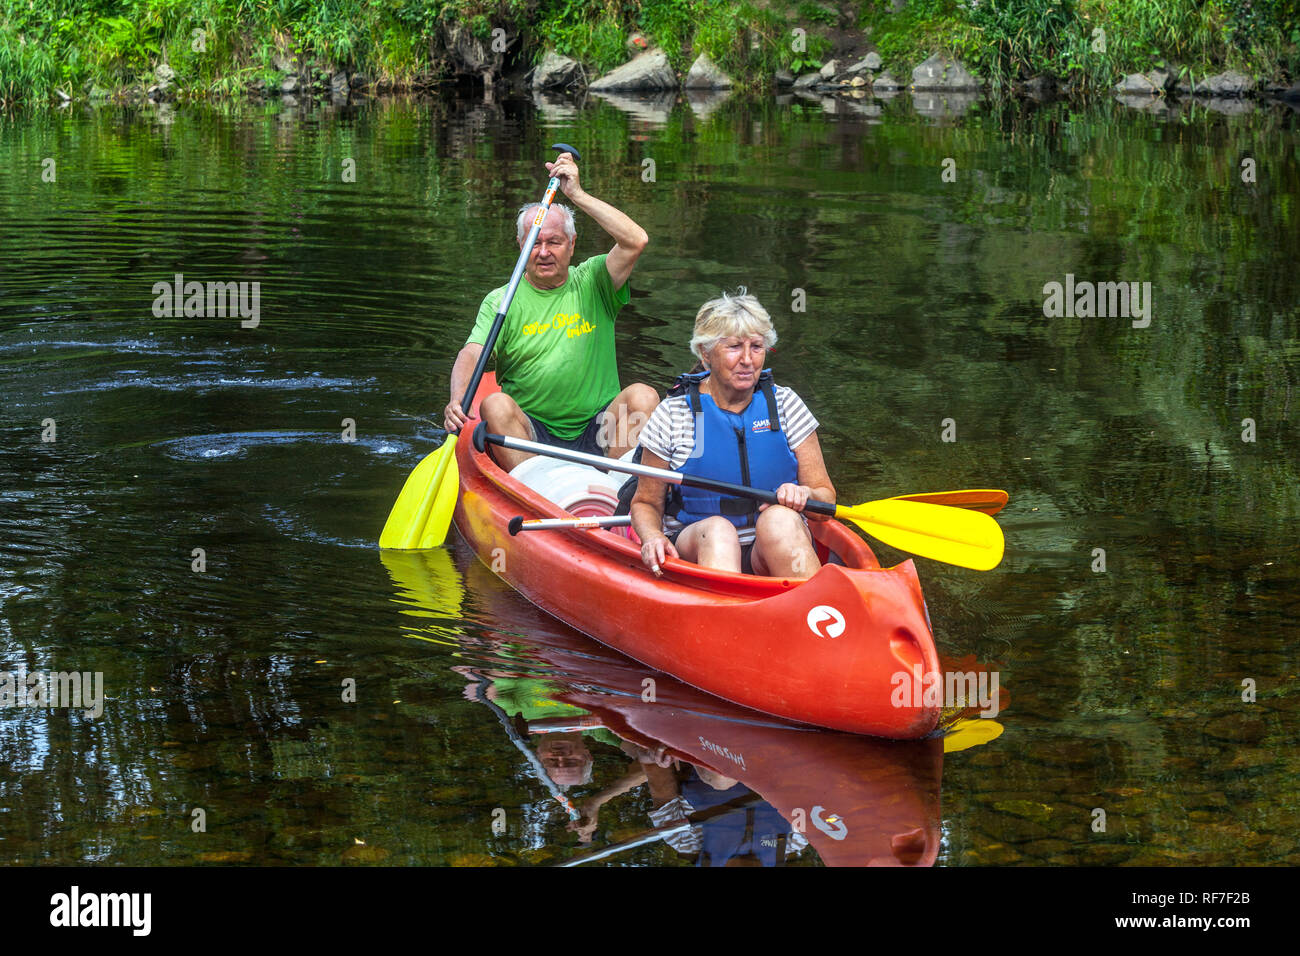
[(96, 48), (1093, 42)]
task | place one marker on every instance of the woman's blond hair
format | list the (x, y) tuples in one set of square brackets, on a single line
[(738, 314)]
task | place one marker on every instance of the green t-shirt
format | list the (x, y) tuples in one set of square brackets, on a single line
[(555, 353), (534, 698)]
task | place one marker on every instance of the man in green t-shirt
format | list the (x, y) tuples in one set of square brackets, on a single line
[(555, 355)]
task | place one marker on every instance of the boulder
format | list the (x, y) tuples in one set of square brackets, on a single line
[(829, 69), (885, 81), (289, 85), (784, 78), (1230, 83), (649, 71), (1135, 84), (704, 74), (556, 71), (807, 81), (941, 73), (339, 84), (358, 81), (869, 63)]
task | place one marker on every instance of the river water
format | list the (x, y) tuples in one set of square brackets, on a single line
[(190, 506)]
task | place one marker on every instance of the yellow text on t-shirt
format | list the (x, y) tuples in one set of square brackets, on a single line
[(572, 324)]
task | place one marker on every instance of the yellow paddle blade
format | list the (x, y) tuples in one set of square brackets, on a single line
[(988, 500), (971, 732), (444, 506), (427, 498), (968, 539)]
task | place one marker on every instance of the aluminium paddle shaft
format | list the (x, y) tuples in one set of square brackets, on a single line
[(524, 252), (482, 437)]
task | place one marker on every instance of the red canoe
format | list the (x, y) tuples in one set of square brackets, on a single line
[(850, 648)]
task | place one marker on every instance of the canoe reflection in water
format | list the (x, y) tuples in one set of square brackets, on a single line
[(720, 784)]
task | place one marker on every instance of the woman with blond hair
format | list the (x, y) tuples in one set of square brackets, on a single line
[(730, 422)]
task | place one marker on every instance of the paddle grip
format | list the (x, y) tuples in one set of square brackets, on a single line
[(477, 437), (516, 523)]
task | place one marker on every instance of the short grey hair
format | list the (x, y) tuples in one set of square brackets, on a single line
[(529, 212), (738, 314)]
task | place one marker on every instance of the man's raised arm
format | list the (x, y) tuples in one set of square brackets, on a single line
[(629, 238)]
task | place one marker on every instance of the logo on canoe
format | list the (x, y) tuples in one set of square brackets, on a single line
[(833, 825), (825, 621)]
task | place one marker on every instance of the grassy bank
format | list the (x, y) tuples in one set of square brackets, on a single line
[(1093, 42), (223, 47)]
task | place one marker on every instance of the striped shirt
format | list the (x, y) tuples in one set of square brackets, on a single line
[(670, 434)]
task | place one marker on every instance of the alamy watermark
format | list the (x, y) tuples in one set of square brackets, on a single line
[(1086, 300), (77, 909), (953, 689), (62, 689), (208, 300)]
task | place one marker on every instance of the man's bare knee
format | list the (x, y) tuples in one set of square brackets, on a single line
[(642, 398), (504, 416)]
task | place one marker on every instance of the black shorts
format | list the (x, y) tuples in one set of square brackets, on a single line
[(586, 442)]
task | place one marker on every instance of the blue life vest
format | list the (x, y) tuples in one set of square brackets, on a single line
[(744, 448), (757, 831)]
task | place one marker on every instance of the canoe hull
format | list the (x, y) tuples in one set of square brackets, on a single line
[(834, 651)]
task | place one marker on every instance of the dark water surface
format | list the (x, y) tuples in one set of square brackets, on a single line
[(924, 302)]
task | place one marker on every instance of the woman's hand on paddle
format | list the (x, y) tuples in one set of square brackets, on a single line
[(454, 417), (792, 496), (655, 551)]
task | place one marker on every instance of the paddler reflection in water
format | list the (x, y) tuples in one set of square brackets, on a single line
[(564, 756), (705, 816), (728, 421), (730, 824)]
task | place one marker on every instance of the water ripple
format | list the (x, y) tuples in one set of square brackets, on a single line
[(232, 445)]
